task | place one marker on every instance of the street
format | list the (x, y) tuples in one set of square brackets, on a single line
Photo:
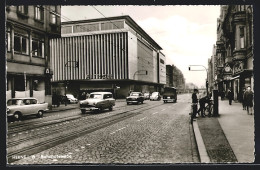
[(147, 133)]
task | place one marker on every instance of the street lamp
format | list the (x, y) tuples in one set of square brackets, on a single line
[(202, 70)]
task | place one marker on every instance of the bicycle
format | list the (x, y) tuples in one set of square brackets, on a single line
[(209, 108)]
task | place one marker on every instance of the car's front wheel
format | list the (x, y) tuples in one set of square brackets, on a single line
[(17, 116), (40, 113)]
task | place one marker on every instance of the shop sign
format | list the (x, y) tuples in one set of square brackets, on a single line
[(99, 76)]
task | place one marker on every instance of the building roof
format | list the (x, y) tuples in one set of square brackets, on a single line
[(129, 21)]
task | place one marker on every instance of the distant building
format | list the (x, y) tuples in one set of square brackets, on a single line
[(175, 78), (106, 54), (235, 49), (28, 31)]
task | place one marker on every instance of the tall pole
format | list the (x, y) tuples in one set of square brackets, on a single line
[(207, 75)]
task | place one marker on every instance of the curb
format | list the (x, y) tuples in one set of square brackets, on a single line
[(204, 158)]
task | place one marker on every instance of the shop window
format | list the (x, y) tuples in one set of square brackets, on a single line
[(39, 13)]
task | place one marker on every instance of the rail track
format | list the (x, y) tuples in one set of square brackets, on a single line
[(51, 138)]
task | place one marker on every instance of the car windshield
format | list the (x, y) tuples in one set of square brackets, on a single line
[(95, 96), (70, 96), (134, 94), (14, 102), (154, 94)]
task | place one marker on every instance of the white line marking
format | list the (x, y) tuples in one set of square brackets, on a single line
[(141, 119)]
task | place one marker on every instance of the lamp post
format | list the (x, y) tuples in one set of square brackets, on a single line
[(202, 70)]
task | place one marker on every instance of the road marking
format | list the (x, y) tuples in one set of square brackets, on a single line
[(117, 130), (155, 113), (141, 119)]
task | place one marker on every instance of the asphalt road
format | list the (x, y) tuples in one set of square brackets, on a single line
[(149, 133)]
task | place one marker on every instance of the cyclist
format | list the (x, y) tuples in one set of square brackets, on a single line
[(202, 103)]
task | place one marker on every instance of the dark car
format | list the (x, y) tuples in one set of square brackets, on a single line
[(135, 97), (170, 95)]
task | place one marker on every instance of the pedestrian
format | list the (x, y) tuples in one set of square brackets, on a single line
[(202, 102), (194, 104), (230, 96), (248, 97), (243, 98), (83, 96)]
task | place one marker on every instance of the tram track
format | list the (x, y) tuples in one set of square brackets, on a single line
[(75, 131)]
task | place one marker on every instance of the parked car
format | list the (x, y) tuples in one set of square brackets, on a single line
[(97, 101), (135, 97), (169, 95), (71, 98), (19, 107), (146, 96), (155, 96)]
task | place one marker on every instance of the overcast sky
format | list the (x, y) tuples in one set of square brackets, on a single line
[(186, 33)]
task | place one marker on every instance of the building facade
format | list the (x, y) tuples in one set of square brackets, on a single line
[(175, 78), (28, 31), (107, 54), (235, 49)]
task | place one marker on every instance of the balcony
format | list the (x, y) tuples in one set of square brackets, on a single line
[(228, 59), (239, 55)]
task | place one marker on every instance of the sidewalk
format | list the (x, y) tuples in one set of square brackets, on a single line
[(227, 138)]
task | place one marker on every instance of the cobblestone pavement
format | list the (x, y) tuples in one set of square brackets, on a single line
[(158, 135)]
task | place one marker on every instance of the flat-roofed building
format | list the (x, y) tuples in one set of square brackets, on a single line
[(105, 54)]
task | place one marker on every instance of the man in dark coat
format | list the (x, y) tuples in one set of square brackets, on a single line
[(194, 104), (202, 103), (248, 97), (230, 96)]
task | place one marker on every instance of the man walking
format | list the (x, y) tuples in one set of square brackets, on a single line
[(248, 97), (194, 104), (230, 96)]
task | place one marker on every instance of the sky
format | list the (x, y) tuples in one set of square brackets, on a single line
[(185, 33)]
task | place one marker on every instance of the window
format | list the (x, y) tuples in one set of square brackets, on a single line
[(242, 39), (8, 39), (21, 43), (22, 9), (53, 15), (37, 46), (39, 13)]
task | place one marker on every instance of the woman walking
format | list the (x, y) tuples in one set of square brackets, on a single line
[(248, 97)]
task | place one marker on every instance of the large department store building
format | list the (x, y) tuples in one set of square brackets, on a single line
[(106, 54)]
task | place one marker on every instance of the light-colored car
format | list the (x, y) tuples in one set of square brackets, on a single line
[(71, 98), (146, 96), (97, 101), (135, 97), (155, 96), (19, 107)]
